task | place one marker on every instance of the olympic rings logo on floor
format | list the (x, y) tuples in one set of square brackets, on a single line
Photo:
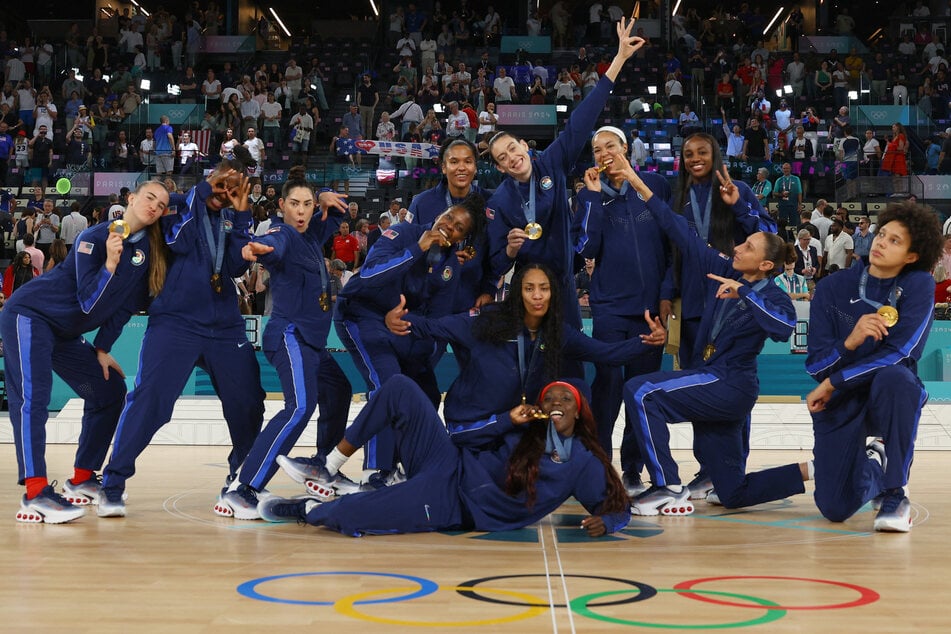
[(409, 588)]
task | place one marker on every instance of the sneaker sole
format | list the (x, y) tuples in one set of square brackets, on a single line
[(222, 509), (107, 512), (668, 509), (892, 526), (320, 491), (79, 500), (28, 516), (226, 510)]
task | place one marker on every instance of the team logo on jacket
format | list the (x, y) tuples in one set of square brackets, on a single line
[(447, 274), (546, 183), (490, 213), (228, 225), (390, 233), (138, 257), (85, 247), (274, 230), (639, 195)]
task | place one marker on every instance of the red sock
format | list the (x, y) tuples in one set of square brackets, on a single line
[(81, 475), (34, 486)]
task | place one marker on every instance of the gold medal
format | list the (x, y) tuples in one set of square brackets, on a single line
[(121, 227), (889, 314), (534, 230), (537, 414), (708, 351), (216, 283), (470, 251), (324, 302)]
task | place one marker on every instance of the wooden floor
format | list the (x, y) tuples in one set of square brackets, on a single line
[(172, 565)]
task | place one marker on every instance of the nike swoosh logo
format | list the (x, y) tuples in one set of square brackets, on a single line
[(855, 301), (241, 345)]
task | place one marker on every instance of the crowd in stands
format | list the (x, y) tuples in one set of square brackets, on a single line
[(440, 75)]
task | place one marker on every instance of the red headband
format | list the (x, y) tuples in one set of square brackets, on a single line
[(571, 388)]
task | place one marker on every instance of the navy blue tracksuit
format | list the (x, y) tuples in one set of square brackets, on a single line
[(295, 341), (453, 484), (633, 264), (552, 211), (190, 324), (749, 218), (717, 394), (42, 325), (877, 389), (476, 277), (394, 266), (490, 381)]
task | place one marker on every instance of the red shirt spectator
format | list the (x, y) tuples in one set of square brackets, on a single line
[(346, 246)]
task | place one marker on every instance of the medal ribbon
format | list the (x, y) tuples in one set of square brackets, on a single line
[(892, 294), (702, 223), (217, 249), (524, 361), (555, 444), (727, 307)]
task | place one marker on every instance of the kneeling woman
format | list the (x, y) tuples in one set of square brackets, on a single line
[(719, 391), (548, 454)]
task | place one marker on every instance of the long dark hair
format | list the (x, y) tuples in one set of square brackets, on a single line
[(524, 463), (21, 271), (503, 321), (721, 215)]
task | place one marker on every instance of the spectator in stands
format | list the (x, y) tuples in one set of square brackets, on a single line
[(537, 94), (342, 149), (164, 147), (19, 272), (430, 128), (271, 111), (398, 93), (72, 225), (872, 154), (385, 130), (838, 248), (862, 240), (762, 187), (78, 151), (429, 89), (503, 87), (755, 142), (368, 97), (257, 150), (788, 191), (725, 97), (406, 69), (250, 112), (638, 150), (564, 89), (211, 90), (688, 122), (453, 93), (46, 226), (41, 157), (187, 154), (346, 247), (674, 90), (410, 114), (487, 120), (894, 162)]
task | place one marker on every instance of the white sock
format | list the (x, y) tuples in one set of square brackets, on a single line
[(811, 469), (335, 460)]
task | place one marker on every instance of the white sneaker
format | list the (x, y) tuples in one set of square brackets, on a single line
[(48, 507), (894, 516), (662, 501)]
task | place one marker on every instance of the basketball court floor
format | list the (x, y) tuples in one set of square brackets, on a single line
[(172, 565)]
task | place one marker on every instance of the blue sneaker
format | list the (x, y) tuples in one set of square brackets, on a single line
[(277, 509), (700, 487), (382, 479), (312, 473), (662, 501), (241, 504), (48, 507), (111, 502), (633, 484), (894, 516), (84, 493)]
